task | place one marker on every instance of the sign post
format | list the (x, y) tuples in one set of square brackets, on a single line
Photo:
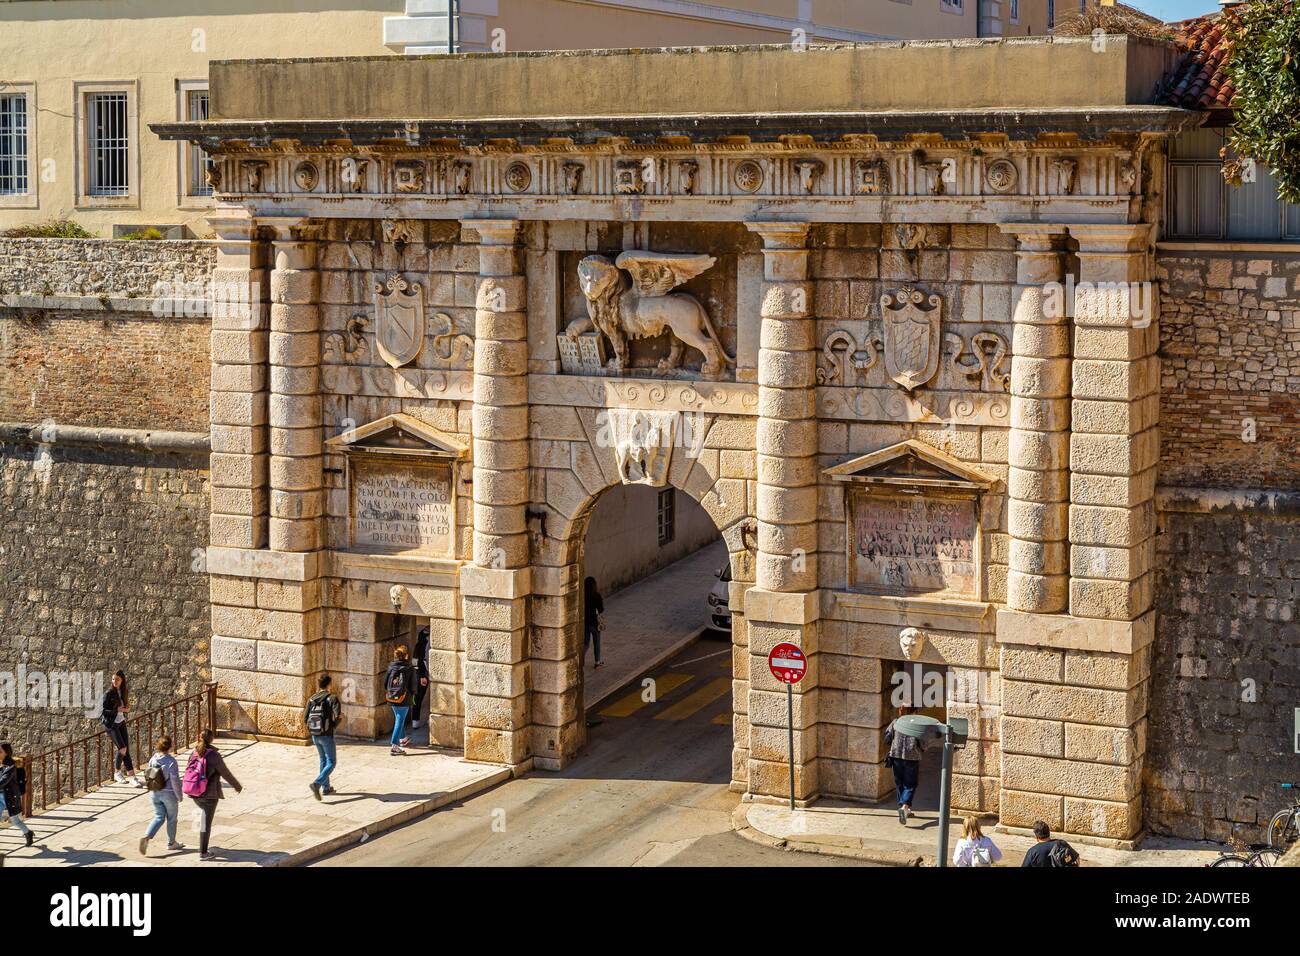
[(788, 665)]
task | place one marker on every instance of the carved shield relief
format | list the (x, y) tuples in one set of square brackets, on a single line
[(399, 320), (911, 336)]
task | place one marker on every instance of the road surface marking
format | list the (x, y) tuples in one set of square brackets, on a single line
[(697, 701), (723, 718), (665, 684), (696, 660)]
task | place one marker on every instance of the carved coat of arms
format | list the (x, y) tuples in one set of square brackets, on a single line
[(399, 320), (911, 336)]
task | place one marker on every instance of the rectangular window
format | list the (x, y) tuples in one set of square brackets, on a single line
[(667, 516), (108, 145), (1015, 11), (1203, 206), (13, 145), (196, 110), (1051, 14)]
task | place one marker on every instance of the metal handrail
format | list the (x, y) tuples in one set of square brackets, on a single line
[(87, 763)]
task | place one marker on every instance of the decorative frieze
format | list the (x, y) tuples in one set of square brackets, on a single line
[(725, 398)]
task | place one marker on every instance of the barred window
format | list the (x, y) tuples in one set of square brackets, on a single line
[(13, 144), (108, 145), (667, 516), (196, 110)]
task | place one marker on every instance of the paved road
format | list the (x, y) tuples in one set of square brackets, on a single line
[(650, 790)]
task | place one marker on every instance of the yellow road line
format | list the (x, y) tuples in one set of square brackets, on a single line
[(723, 718), (697, 701), (626, 706)]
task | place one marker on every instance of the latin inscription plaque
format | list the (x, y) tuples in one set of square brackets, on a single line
[(399, 507), (913, 544)]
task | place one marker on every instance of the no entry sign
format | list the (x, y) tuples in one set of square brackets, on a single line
[(787, 663)]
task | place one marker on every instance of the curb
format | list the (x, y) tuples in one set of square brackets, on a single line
[(741, 826), (364, 833)]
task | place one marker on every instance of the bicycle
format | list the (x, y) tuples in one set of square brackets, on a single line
[(1240, 854), (1284, 828)]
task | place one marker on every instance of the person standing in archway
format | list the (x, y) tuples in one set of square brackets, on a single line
[(593, 607), (905, 761)]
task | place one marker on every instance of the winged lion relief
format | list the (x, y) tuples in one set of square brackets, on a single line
[(632, 298)]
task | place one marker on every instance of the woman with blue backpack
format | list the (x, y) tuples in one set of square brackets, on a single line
[(204, 772), (162, 778)]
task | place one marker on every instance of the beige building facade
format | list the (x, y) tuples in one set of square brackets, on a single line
[(82, 81), (906, 362)]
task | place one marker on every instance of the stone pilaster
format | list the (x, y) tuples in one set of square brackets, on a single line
[(1039, 444), (784, 604), (496, 587), (238, 406)]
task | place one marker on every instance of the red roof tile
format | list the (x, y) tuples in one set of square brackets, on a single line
[(1200, 81)]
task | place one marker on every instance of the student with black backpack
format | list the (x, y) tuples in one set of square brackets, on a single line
[(13, 784), (162, 778), (1048, 852), (323, 715), (399, 686)]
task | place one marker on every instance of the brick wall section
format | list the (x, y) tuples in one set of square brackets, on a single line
[(1228, 605), (111, 267), (1230, 351), (121, 370), (98, 571)]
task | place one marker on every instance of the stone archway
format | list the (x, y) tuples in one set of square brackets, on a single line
[(718, 481)]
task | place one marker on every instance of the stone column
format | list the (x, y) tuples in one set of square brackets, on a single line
[(496, 586), (238, 406), (1038, 483), (784, 604), (296, 473)]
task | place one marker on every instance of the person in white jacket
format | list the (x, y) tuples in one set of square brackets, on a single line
[(974, 848)]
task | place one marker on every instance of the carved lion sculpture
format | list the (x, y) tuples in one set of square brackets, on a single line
[(642, 308)]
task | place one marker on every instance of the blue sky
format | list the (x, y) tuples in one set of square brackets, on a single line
[(1174, 9)]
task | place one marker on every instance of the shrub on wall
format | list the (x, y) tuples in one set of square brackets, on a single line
[(54, 229), (1265, 69)]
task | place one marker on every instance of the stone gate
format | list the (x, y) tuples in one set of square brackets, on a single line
[(905, 359)]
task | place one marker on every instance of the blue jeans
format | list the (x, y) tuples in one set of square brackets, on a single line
[(165, 810), (906, 775), (328, 759), (15, 818), (399, 722)]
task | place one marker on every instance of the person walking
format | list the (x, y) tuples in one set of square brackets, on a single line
[(112, 715), (399, 686), (204, 772), (905, 761), (1047, 852), (162, 777), (974, 848), (593, 609), (13, 784), (323, 715), (422, 671)]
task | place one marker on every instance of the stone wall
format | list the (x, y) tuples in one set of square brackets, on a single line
[(101, 542), (101, 568), (1225, 670), (1230, 368)]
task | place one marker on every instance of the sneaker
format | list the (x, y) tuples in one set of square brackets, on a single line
[(406, 742), (329, 791), (600, 663), (136, 781), (175, 846), (315, 790), (908, 811), (902, 816), (119, 777), (144, 846), (31, 837), (206, 857), (397, 752)]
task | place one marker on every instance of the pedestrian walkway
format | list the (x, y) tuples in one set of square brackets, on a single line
[(648, 622), (274, 822), (697, 694), (873, 832)]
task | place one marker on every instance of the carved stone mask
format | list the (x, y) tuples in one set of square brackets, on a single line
[(912, 642), (397, 595)]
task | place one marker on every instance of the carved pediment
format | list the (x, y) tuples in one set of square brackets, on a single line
[(399, 435), (912, 463)]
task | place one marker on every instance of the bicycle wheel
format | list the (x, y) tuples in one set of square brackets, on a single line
[(1282, 829), (1266, 857), (1230, 859)]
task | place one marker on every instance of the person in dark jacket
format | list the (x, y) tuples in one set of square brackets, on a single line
[(112, 715), (215, 771), (905, 761), (1040, 854), (13, 784), (322, 737), (593, 606), (422, 671), (399, 690)]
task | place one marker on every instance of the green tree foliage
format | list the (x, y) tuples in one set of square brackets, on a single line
[(1265, 69)]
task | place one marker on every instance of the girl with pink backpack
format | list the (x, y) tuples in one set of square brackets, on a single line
[(204, 772)]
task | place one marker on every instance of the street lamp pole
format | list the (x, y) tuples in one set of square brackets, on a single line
[(945, 795)]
